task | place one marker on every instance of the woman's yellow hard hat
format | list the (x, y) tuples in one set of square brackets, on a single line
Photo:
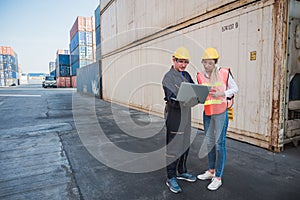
[(210, 53)]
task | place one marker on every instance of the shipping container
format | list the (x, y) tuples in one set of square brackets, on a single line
[(51, 66), (258, 40), (78, 64), (6, 50), (62, 51), (98, 53), (9, 67), (61, 82), (98, 38), (68, 82), (62, 65), (97, 17), (82, 52), (88, 79), (74, 81), (64, 82), (63, 60), (82, 24), (81, 38), (62, 71)]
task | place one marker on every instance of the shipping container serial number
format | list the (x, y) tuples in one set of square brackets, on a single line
[(230, 27)]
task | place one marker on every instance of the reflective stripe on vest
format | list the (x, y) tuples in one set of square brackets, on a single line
[(215, 105), (212, 101)]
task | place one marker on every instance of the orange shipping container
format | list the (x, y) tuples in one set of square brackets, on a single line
[(5, 50), (61, 82), (81, 24), (68, 82), (74, 82)]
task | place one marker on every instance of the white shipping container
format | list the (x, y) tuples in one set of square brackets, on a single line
[(251, 40), (136, 19)]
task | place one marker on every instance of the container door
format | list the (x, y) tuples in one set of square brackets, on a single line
[(292, 117)]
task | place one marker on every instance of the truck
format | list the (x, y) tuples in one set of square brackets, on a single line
[(50, 81)]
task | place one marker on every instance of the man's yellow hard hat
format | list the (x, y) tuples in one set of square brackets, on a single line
[(182, 53), (210, 53)]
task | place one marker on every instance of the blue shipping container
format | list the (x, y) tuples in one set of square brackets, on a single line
[(53, 73), (74, 67), (14, 75), (79, 64), (63, 60), (81, 38), (63, 71), (97, 17), (74, 43), (98, 38)]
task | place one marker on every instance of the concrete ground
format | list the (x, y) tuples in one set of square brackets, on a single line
[(58, 144), (250, 172)]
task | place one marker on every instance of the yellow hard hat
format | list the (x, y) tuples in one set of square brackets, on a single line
[(182, 53), (210, 53)]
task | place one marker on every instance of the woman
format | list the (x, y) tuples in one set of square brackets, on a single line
[(215, 116)]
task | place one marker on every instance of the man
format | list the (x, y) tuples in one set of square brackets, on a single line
[(178, 120)]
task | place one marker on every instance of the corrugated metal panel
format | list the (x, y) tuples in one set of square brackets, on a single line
[(62, 51), (82, 24), (63, 60), (256, 28), (98, 38), (82, 52), (138, 16), (104, 3), (78, 64), (61, 82), (51, 66), (74, 81), (6, 50), (63, 71), (88, 79), (98, 53), (97, 17), (292, 112)]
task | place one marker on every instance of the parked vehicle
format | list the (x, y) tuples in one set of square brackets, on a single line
[(50, 81)]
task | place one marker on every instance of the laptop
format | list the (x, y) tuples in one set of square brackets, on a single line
[(189, 90)]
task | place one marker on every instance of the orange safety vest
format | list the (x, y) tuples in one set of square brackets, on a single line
[(212, 105)]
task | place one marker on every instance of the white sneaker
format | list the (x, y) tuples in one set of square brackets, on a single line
[(206, 175), (215, 184)]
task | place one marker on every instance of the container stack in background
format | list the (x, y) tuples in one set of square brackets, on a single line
[(82, 45), (52, 70), (63, 75), (9, 68), (97, 32)]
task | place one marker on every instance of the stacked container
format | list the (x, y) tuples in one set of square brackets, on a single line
[(8, 66), (52, 70), (63, 68), (258, 40), (97, 33), (81, 43)]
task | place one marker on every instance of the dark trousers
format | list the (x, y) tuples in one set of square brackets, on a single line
[(178, 124)]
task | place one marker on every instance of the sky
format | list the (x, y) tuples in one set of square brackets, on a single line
[(36, 29)]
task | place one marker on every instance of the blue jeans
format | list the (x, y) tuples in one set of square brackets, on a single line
[(215, 128)]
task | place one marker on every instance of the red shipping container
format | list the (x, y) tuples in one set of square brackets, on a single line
[(5, 50), (61, 82), (81, 24), (74, 82), (68, 82)]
